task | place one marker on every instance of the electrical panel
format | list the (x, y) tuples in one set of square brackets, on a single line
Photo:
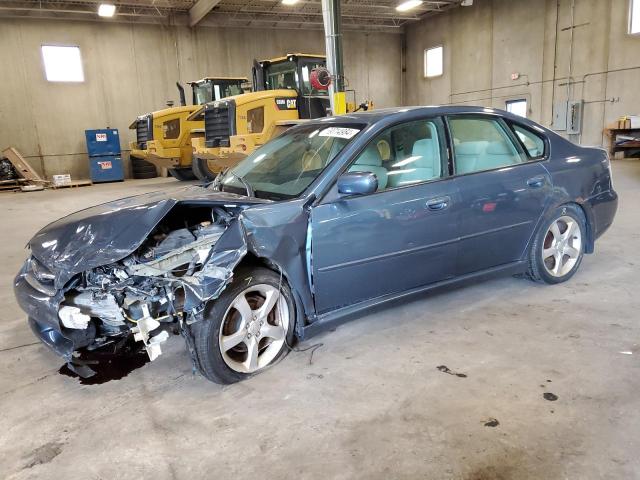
[(567, 116), (559, 116), (574, 117)]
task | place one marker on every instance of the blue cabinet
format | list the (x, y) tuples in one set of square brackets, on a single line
[(106, 168), (105, 162)]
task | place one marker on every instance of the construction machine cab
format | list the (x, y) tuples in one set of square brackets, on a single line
[(293, 72), (210, 89)]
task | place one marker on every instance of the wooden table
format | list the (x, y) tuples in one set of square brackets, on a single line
[(613, 133)]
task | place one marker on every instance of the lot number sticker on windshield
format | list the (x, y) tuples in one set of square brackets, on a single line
[(339, 132)]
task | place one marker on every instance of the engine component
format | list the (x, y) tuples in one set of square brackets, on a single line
[(173, 240), (141, 334), (195, 251), (99, 304), (72, 317)]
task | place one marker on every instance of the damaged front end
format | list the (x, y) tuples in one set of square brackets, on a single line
[(161, 286)]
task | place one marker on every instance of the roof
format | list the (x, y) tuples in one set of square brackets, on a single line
[(286, 57), (390, 115), (357, 15), (241, 79)]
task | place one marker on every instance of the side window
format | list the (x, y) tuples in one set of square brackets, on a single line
[(171, 129), (403, 155), (255, 120), (482, 144), (533, 143)]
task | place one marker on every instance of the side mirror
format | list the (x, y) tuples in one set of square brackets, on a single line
[(357, 183)]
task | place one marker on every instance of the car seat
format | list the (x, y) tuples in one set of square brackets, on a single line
[(425, 166), (371, 161), (467, 155), (497, 154)]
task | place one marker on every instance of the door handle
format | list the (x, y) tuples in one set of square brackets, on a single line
[(535, 182), (439, 203)]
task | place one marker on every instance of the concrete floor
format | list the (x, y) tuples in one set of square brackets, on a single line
[(372, 404)]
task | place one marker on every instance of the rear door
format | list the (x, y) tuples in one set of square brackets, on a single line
[(503, 189), (401, 237)]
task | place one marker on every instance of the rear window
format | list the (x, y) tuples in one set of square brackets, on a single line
[(532, 142)]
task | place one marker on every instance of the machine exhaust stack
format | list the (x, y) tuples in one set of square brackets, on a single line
[(183, 99), (333, 41)]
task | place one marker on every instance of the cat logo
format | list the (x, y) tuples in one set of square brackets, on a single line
[(287, 103)]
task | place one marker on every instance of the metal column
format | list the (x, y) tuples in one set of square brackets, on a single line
[(333, 41)]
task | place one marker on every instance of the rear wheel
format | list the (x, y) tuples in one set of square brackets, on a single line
[(201, 169), (182, 174), (558, 248), (142, 169), (247, 328)]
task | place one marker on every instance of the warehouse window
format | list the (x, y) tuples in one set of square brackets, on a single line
[(517, 107), (433, 62), (634, 17), (62, 64)]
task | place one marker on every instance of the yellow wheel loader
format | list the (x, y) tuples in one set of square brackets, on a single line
[(286, 91), (164, 137)]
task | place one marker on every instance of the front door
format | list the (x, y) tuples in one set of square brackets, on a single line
[(401, 237), (503, 189)]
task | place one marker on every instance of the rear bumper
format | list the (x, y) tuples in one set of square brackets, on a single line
[(604, 207)]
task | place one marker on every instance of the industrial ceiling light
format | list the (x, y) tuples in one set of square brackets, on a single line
[(106, 10), (408, 5), (290, 2)]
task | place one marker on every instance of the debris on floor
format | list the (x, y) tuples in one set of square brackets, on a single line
[(445, 369), (491, 422), (550, 396)]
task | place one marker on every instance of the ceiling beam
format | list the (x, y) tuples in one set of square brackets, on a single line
[(200, 10)]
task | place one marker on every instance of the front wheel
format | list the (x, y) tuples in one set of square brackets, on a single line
[(247, 328), (558, 247), (201, 169)]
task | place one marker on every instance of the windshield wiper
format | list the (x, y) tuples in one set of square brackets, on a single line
[(217, 182), (246, 184)]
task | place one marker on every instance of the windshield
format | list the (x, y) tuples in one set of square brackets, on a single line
[(286, 166), (281, 75), (208, 91)]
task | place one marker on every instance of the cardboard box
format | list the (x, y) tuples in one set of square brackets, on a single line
[(59, 180)]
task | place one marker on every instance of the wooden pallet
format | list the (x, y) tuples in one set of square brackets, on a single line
[(73, 184), (22, 166)]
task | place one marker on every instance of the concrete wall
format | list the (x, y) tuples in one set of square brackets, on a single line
[(132, 69), (486, 43)]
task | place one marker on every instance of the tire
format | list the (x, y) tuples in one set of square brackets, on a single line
[(201, 169), (142, 169), (182, 174), (268, 337), (558, 246)]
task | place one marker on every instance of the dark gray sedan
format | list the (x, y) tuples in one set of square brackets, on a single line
[(332, 217)]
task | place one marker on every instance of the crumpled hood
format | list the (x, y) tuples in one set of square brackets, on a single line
[(109, 232)]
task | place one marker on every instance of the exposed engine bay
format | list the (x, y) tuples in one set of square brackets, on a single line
[(157, 289)]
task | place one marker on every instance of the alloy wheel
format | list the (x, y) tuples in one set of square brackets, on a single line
[(254, 328), (562, 246)]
